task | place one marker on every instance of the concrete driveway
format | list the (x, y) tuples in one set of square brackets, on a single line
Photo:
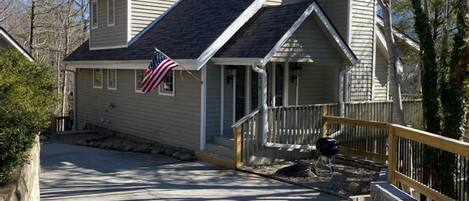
[(70, 172)]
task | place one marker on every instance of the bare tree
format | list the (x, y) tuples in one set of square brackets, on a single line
[(395, 62)]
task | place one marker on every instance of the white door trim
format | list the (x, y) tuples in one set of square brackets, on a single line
[(234, 97), (247, 100), (222, 99), (286, 86)]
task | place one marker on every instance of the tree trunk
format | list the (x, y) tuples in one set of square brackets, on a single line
[(395, 62), (31, 27)]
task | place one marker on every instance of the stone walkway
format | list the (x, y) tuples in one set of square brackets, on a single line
[(70, 172)]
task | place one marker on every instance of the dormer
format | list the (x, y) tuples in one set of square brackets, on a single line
[(115, 22)]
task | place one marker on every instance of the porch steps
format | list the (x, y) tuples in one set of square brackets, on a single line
[(220, 150), (223, 141)]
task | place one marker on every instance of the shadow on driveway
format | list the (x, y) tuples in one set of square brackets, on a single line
[(70, 172)]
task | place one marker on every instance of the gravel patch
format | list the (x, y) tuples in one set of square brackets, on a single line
[(348, 178)]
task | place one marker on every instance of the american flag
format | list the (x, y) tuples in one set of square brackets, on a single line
[(159, 67)]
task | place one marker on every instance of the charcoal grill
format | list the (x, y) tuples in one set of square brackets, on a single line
[(328, 148)]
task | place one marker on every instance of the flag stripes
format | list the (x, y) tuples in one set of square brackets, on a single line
[(158, 69)]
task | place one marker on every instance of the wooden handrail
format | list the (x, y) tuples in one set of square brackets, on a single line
[(245, 118), (434, 140), (355, 122), (397, 131)]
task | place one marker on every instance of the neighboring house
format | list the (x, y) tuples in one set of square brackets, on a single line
[(9, 43), (313, 51)]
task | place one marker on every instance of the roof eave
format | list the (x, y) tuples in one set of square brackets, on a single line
[(184, 64), (228, 33), (15, 44)]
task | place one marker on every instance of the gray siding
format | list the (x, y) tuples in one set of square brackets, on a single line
[(107, 36), (318, 84), (309, 42), (361, 79), (213, 100), (171, 120), (381, 77), (145, 11)]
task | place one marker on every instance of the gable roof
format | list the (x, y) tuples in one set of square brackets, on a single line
[(259, 35), (15, 44), (258, 40), (187, 31)]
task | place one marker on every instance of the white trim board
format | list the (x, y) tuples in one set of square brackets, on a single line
[(229, 32), (187, 64), (327, 25), (15, 44), (399, 35)]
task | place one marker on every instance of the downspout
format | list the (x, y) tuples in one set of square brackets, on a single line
[(342, 74), (263, 121), (74, 107)]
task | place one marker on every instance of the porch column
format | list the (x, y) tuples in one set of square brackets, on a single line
[(263, 121)]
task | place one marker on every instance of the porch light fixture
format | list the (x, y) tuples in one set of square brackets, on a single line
[(295, 69), (230, 74)]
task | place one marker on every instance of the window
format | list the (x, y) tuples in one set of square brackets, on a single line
[(167, 87), (111, 15), (139, 74), (94, 14), (112, 79), (98, 78)]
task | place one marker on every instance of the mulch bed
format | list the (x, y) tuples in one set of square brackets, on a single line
[(349, 178)]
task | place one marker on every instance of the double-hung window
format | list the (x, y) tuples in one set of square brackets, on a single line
[(112, 79), (94, 14), (139, 75), (98, 78), (167, 87), (111, 12)]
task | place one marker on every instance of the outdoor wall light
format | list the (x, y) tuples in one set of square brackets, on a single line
[(230, 74)]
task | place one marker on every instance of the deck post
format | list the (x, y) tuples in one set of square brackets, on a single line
[(237, 146), (325, 125), (392, 158)]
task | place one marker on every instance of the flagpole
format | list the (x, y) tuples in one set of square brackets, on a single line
[(190, 73)]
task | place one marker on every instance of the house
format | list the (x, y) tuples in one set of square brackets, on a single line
[(9, 43), (312, 52)]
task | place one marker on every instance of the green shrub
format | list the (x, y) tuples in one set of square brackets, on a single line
[(27, 100)]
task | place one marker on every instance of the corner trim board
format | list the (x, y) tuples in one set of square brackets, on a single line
[(203, 109)]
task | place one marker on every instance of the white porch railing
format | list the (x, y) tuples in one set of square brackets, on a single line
[(293, 130)]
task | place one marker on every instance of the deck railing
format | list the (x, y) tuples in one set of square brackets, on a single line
[(296, 128), (61, 124), (421, 163)]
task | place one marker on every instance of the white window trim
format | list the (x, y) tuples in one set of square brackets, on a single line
[(94, 26), (136, 82), (114, 13), (174, 86), (115, 79), (94, 78)]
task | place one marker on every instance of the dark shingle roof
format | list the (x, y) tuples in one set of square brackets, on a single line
[(184, 33), (258, 36)]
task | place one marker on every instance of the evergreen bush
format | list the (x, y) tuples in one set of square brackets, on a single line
[(27, 100)]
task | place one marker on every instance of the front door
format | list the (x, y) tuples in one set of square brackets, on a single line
[(240, 94), (276, 83)]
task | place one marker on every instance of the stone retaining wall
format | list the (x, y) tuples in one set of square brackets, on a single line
[(25, 182)]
